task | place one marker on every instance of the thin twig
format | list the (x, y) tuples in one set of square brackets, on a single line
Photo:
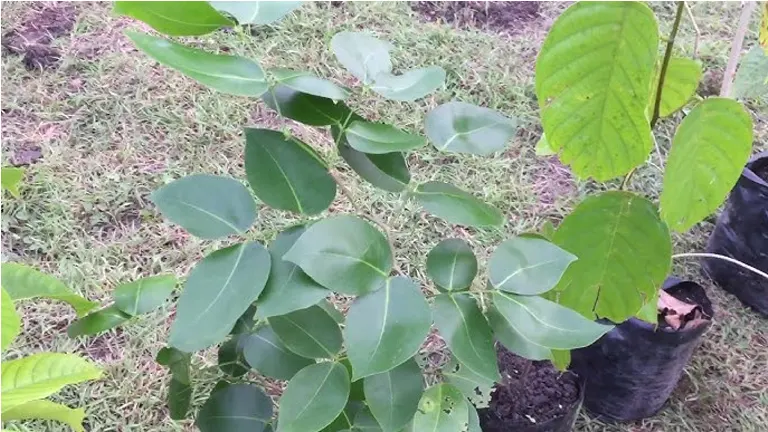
[(736, 44), (695, 28), (724, 258)]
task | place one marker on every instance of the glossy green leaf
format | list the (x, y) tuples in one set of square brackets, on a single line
[(709, 151), (256, 12), (331, 310), (229, 74), (10, 178), (680, 84), (98, 321), (247, 320), (343, 253), (266, 353), (363, 55), (288, 288), (11, 323), (177, 361), (528, 266), (452, 265), (40, 375), (23, 282), (561, 359), (473, 386), (216, 293), (207, 206), (193, 18), (309, 332), (387, 171), (237, 407), (47, 410), (513, 340), (386, 327), (305, 108), (593, 77), (231, 357), (365, 421), (456, 206), (313, 398), (624, 254), (307, 83), (411, 85), (460, 127), (346, 419), (751, 81), (473, 420), (393, 396), (442, 408), (286, 173), (378, 138), (467, 333), (543, 148), (356, 389), (179, 399), (145, 294)]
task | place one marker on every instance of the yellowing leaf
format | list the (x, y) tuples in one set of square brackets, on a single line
[(47, 410)]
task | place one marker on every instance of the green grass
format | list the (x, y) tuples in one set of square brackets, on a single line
[(113, 126)]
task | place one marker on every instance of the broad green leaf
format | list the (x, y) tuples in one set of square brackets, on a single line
[(593, 78), (11, 323), (356, 389), (313, 398), (288, 288), (23, 282), (175, 360), (47, 410), (546, 323), (10, 178), (543, 148), (179, 399), (474, 387), (467, 333), (473, 421), (145, 294), (265, 352), (256, 12), (393, 396), (231, 357), (709, 151), (411, 85), (364, 56), (343, 253), (460, 127), (207, 206), (310, 332), (751, 81), (378, 138), (40, 375), (456, 206), (386, 327), (331, 310), (305, 108), (547, 230), (247, 320), (229, 74), (387, 171), (237, 407), (216, 293), (513, 340), (561, 359), (527, 265), (98, 321), (452, 265), (346, 419), (624, 254), (680, 83), (366, 422), (442, 408), (193, 18), (286, 173), (307, 83)]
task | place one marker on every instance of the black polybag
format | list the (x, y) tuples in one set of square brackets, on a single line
[(632, 370), (742, 233)]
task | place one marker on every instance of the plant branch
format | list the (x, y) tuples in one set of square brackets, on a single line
[(724, 258), (736, 44), (665, 62)]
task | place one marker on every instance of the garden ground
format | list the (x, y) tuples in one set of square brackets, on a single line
[(100, 126)]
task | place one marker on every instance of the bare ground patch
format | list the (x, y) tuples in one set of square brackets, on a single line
[(32, 37)]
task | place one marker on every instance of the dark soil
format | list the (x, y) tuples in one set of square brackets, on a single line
[(531, 392), (503, 16), (33, 36)]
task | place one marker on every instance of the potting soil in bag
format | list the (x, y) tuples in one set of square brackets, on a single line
[(742, 233), (632, 370)]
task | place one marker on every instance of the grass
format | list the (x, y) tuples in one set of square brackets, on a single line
[(113, 126)]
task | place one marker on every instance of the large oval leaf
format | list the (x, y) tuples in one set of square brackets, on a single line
[(411, 85), (546, 323), (286, 173), (473, 386), (680, 83), (265, 352), (452, 265), (393, 396), (593, 79), (305, 108), (309, 332), (513, 340), (207, 206), (41, 375), (11, 323), (256, 12), (237, 407), (344, 254), (442, 408), (380, 138), (179, 398), (527, 265), (191, 18), (98, 321), (225, 73), (460, 127), (751, 81), (313, 398), (145, 294), (709, 151), (387, 171), (307, 83), (47, 410), (624, 254), (364, 56), (386, 327), (466, 332), (23, 282), (456, 206), (217, 291)]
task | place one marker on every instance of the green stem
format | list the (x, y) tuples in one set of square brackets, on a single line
[(724, 258)]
